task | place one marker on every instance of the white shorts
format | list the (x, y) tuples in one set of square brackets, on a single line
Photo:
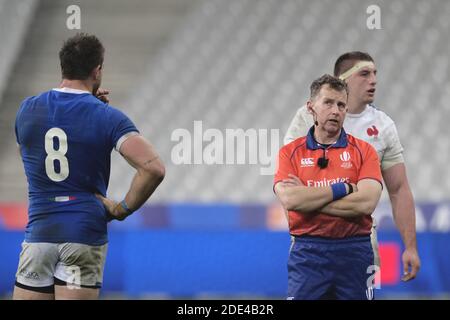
[(74, 263)]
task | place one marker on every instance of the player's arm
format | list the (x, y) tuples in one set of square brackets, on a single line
[(294, 196), (403, 210), (402, 201), (360, 203), (364, 201), (150, 172)]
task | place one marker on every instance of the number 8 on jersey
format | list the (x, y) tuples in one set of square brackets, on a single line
[(58, 155)]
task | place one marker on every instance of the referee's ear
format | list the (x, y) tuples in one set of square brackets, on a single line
[(309, 107)]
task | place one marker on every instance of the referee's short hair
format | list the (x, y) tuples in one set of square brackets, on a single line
[(80, 55), (348, 60), (334, 83)]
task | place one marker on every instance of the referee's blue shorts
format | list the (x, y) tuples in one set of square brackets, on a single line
[(324, 268)]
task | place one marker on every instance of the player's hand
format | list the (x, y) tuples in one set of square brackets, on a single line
[(113, 209), (102, 95), (411, 264)]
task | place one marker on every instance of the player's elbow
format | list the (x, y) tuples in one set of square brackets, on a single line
[(157, 171)]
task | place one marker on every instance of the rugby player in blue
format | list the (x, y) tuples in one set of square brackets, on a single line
[(66, 136)]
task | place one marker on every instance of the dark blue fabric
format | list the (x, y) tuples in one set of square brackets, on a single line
[(320, 268), (90, 130), (312, 144)]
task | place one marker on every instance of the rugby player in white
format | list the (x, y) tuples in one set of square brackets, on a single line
[(366, 122)]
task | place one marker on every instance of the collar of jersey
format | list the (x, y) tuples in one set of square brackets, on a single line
[(359, 115), (70, 90), (312, 144)]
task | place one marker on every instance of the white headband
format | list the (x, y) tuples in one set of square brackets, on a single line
[(356, 68)]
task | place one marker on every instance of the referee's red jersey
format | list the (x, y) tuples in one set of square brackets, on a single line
[(349, 160)]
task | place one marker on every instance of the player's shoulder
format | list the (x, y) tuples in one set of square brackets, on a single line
[(379, 115), (30, 99), (359, 144), (29, 102), (112, 111)]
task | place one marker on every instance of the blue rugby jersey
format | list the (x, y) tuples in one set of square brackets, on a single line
[(66, 137)]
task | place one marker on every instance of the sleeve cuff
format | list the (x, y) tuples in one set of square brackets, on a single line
[(372, 178), (123, 138)]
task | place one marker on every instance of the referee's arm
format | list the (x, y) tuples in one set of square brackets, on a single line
[(360, 203), (296, 197)]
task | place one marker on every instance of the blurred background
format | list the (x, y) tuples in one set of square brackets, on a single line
[(217, 230)]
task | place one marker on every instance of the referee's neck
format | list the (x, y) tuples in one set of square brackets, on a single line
[(325, 137)]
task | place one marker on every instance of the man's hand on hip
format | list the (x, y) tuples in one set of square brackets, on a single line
[(113, 208)]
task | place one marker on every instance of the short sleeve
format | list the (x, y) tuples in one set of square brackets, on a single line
[(370, 167), (121, 127), (284, 166), (299, 126), (16, 131), (394, 149), (18, 120)]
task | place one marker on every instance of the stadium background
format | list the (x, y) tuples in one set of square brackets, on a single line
[(217, 230)]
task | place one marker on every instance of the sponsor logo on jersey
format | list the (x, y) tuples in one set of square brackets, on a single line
[(346, 165), (326, 182), (307, 162), (345, 158)]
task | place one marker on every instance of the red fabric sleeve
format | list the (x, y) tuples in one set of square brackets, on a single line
[(370, 168), (284, 166)]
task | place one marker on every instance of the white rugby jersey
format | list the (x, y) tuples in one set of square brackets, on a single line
[(371, 125)]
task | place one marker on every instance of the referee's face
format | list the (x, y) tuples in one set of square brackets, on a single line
[(330, 107)]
